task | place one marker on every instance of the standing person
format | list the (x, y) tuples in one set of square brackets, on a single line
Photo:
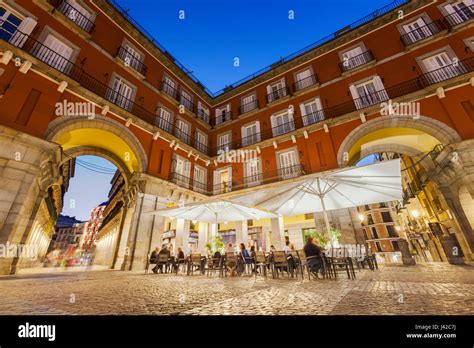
[(245, 256), (154, 259), (313, 253), (164, 251)]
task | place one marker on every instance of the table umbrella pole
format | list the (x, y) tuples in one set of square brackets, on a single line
[(326, 220)]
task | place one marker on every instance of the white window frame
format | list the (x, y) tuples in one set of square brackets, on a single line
[(220, 187), (283, 128), (25, 27), (182, 135), (201, 182), (113, 97), (205, 110), (201, 145), (136, 56), (248, 105), (254, 138), (305, 82), (166, 125), (278, 93), (440, 74), (220, 111), (256, 178), (184, 174), (415, 36), (316, 115), (169, 86), (188, 102), (288, 171), (224, 146), (448, 10), (379, 94)]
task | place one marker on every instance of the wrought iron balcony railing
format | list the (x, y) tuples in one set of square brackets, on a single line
[(247, 107), (131, 60), (357, 61), (203, 115), (283, 128), (168, 89), (370, 99), (250, 139), (73, 14), (277, 94), (460, 16), (224, 117), (187, 103), (422, 33), (313, 117), (305, 83)]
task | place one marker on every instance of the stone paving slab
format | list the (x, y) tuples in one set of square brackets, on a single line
[(435, 288)]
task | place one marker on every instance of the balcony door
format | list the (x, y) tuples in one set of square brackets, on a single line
[(353, 58), (121, 93), (55, 53), (164, 120), (184, 130), (182, 170), (169, 86), (440, 67), (223, 142), (248, 103), (251, 134), (282, 123), (417, 30), (222, 180), (460, 11), (252, 172), (132, 58), (199, 177), (288, 164), (303, 79), (312, 112)]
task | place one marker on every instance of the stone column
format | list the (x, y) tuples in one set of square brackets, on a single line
[(203, 230), (295, 235), (182, 235), (241, 232), (278, 233)]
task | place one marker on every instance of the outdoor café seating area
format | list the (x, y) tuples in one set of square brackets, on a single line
[(333, 264)]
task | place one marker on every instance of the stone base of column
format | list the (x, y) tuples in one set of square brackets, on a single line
[(407, 257), (452, 250)]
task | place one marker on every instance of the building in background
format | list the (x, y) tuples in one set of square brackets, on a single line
[(68, 234), (92, 226)]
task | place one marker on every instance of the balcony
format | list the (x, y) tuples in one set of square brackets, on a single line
[(290, 172), (307, 82), (187, 103), (222, 187), (73, 14), (277, 94), (179, 179), (183, 136), (313, 117), (253, 180), (460, 16), (203, 115), (422, 33), (357, 61), (370, 99), (224, 117), (200, 187), (164, 124), (168, 89), (248, 107), (130, 60), (283, 128), (250, 139), (201, 147)]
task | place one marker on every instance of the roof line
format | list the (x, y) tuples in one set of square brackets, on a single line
[(373, 15)]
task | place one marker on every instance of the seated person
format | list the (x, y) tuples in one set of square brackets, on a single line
[(313, 253), (154, 259)]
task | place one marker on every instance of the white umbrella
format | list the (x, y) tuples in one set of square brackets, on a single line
[(215, 211), (345, 188)]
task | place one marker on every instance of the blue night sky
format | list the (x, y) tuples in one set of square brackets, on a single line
[(258, 32), (212, 34)]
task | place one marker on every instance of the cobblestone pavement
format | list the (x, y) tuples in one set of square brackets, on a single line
[(421, 289)]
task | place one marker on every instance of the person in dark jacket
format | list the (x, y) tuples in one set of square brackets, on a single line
[(313, 253), (154, 259), (165, 250)]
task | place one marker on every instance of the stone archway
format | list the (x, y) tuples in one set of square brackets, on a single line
[(422, 126)]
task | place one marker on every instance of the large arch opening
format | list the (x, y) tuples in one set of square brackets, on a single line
[(422, 219), (86, 190)]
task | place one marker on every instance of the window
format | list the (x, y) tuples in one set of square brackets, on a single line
[(181, 171), (222, 180), (386, 217), (251, 134), (276, 91), (395, 245), (223, 142), (311, 111), (355, 57), (201, 141), (164, 119), (223, 114), (132, 58), (57, 54), (248, 103), (282, 123), (304, 79), (77, 14), (368, 93), (9, 23), (203, 112), (121, 93), (288, 164), (169, 86), (378, 246), (186, 100), (370, 221), (391, 231), (199, 179), (374, 233), (458, 12), (470, 43), (417, 30), (183, 130), (253, 172), (439, 67)]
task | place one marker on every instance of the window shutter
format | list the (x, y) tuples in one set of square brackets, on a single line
[(25, 28), (244, 131), (302, 109), (378, 83), (318, 103), (354, 93)]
